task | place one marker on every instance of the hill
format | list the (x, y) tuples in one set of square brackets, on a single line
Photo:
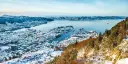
[(110, 47)]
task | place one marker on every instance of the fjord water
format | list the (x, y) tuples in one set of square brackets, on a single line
[(95, 25)]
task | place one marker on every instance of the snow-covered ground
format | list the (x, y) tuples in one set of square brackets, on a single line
[(35, 46), (35, 42), (122, 61), (126, 38), (80, 35), (16, 26), (38, 57)]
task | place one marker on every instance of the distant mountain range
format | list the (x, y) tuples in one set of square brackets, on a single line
[(20, 19), (83, 18)]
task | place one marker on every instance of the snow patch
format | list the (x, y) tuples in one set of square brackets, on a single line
[(122, 61)]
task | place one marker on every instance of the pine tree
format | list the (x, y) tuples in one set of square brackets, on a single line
[(100, 36)]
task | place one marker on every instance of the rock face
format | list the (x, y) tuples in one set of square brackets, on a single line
[(108, 48)]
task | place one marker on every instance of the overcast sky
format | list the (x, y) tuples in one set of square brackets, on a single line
[(64, 7)]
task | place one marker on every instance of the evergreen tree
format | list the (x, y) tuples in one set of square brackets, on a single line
[(100, 36)]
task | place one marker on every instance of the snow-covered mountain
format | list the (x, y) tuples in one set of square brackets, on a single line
[(21, 44), (83, 18), (10, 23)]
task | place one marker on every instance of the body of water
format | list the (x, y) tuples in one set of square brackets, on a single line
[(97, 25)]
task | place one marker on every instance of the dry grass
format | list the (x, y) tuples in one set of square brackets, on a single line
[(114, 38)]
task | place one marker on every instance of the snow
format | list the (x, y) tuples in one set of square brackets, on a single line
[(34, 57), (23, 29), (56, 53), (126, 38), (124, 46), (35, 42), (4, 48), (122, 61), (78, 36), (30, 45), (31, 42), (26, 46), (81, 53), (108, 62)]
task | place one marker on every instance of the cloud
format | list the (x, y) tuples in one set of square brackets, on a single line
[(65, 7)]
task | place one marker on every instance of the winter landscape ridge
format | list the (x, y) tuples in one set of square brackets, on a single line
[(21, 44), (63, 31)]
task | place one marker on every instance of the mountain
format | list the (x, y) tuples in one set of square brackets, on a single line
[(83, 18), (110, 47), (20, 19), (11, 23)]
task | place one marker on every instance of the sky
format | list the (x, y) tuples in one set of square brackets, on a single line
[(64, 7)]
